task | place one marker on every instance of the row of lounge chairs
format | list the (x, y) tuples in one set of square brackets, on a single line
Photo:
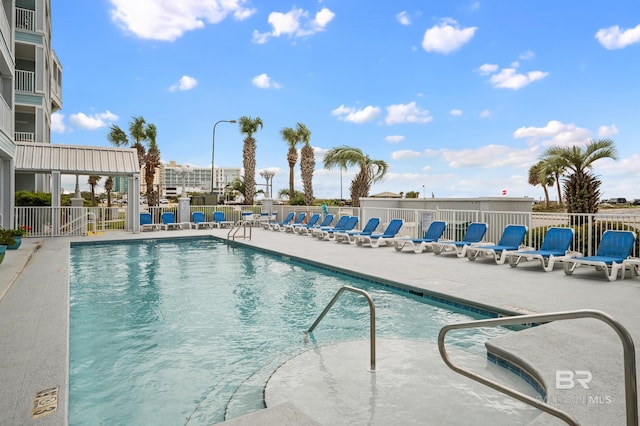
[(612, 256), (198, 221)]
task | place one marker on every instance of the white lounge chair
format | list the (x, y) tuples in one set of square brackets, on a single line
[(511, 240), (555, 248), (614, 248)]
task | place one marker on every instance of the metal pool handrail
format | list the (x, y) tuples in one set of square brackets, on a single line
[(241, 224), (372, 318), (631, 391)]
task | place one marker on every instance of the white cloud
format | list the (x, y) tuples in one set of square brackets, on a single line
[(394, 139), (555, 133), (353, 115), (606, 131), (527, 55), (57, 123), (403, 18), (185, 83), (446, 37), (490, 156), (508, 78), (456, 112), (486, 69), (407, 113), (485, 113), (405, 154), (168, 20), (94, 121), (295, 23), (612, 38), (263, 81)]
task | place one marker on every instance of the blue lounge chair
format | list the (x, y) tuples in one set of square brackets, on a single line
[(219, 220), (615, 247), (432, 235), (198, 221), (555, 248), (385, 238), (511, 240), (169, 221), (146, 223), (340, 224), (349, 224), (307, 230), (298, 221), (474, 234), (287, 220), (312, 221), (349, 236)]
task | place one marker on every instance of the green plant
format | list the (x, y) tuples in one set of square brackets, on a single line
[(6, 237), (19, 232)]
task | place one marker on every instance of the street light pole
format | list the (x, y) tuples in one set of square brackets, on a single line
[(213, 148)]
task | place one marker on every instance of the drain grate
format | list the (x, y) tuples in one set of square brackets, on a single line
[(45, 402)]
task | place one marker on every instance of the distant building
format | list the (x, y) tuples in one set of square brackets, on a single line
[(170, 179)]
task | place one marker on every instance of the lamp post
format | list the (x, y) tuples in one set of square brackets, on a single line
[(213, 148), (268, 176)]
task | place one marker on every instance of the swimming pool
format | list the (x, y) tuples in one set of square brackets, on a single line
[(181, 331)]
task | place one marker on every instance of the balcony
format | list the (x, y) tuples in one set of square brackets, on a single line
[(24, 137), (25, 81), (25, 19)]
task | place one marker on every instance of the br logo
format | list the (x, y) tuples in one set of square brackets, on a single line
[(566, 379)]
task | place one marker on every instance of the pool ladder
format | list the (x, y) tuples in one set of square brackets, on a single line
[(241, 224), (372, 319), (631, 391)]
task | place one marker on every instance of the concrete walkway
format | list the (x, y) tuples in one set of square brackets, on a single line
[(34, 317)]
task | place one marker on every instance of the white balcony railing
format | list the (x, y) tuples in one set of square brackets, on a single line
[(25, 81), (25, 19), (24, 137)]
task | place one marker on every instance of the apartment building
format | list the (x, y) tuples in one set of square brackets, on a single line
[(31, 90), (171, 178)]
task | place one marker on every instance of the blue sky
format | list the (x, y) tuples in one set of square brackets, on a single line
[(459, 97)]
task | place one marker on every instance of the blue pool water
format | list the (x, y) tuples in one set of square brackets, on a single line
[(173, 332)]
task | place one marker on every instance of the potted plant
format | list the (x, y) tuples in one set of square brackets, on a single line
[(17, 235), (6, 239)]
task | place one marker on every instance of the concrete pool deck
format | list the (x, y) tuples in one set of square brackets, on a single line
[(34, 317)]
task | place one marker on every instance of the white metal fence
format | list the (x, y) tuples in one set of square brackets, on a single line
[(60, 221)]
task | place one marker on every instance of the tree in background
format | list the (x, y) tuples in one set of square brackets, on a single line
[(248, 127), (291, 137), (307, 163), (148, 157), (108, 188), (538, 175), (371, 171), (581, 187), (93, 181)]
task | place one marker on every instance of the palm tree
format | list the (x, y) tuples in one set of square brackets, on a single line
[(108, 187), (554, 167), (581, 187), (538, 176), (249, 126), (93, 181), (371, 171), (290, 136), (147, 158), (152, 161), (307, 163)]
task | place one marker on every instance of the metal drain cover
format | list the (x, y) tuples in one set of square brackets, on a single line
[(45, 402)]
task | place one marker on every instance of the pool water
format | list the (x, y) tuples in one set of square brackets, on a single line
[(181, 331)]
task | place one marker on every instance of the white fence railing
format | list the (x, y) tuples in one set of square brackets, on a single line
[(25, 81), (53, 221), (25, 19)]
